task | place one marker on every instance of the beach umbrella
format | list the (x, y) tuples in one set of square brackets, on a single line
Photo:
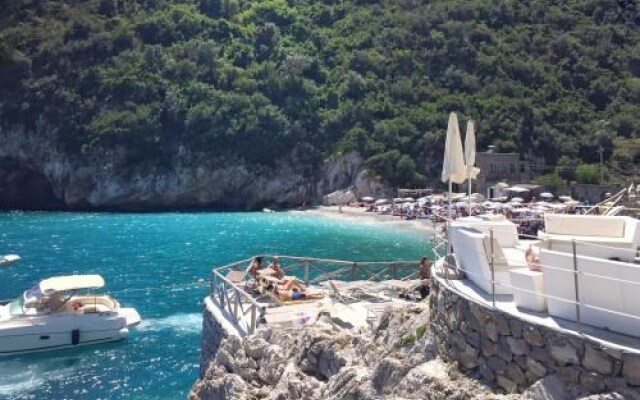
[(381, 201), (517, 200), (367, 199), (565, 198), (398, 200), (546, 195), (470, 156), (453, 168), (477, 197), (410, 199)]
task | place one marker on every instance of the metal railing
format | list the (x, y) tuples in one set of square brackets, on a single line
[(577, 271), (243, 308)]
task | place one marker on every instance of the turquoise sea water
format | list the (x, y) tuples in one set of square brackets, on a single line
[(153, 262)]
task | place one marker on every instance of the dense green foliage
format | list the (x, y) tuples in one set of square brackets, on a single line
[(259, 79)]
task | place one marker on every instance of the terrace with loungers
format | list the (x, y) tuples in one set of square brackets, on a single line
[(350, 294)]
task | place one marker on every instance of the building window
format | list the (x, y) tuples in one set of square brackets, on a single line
[(522, 169), (513, 168)]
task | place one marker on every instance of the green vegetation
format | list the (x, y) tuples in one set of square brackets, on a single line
[(412, 337), (259, 80)]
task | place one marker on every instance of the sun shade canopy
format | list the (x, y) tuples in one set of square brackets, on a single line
[(71, 282)]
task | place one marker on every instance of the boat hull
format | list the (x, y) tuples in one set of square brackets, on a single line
[(30, 334)]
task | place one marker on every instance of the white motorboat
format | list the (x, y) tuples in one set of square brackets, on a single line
[(54, 315), (9, 259)]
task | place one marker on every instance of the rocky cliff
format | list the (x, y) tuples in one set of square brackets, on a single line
[(36, 174), (395, 360)]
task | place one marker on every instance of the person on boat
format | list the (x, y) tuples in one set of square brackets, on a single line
[(425, 277), (256, 265), (277, 269)]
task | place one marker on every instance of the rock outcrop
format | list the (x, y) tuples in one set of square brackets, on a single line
[(47, 176), (395, 360)]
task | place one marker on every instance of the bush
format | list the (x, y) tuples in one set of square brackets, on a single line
[(589, 173)]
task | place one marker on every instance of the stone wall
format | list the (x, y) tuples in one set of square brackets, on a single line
[(213, 333), (513, 354)]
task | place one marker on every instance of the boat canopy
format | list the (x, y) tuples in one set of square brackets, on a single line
[(71, 282)]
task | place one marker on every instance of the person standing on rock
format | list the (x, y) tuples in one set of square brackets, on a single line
[(425, 277)]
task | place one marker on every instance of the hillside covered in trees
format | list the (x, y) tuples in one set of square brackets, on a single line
[(257, 81)]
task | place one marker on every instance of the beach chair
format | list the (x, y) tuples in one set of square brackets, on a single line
[(342, 297), (236, 277)]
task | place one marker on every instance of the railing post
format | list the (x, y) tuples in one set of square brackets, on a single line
[(493, 274), (306, 273), (353, 271), (235, 304), (448, 236), (212, 285), (252, 327), (577, 289), (394, 271), (221, 289)]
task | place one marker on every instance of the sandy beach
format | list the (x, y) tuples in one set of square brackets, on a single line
[(347, 213)]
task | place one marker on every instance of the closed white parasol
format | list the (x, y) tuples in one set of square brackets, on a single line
[(453, 168), (470, 155)]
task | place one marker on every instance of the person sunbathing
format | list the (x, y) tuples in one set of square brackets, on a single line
[(256, 266), (277, 269), (296, 294)]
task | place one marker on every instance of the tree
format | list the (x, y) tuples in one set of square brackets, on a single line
[(552, 181)]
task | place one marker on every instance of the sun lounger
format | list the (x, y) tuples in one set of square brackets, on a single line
[(236, 277)]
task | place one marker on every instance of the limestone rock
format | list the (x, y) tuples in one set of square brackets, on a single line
[(631, 369), (597, 360), (564, 353), (548, 388)]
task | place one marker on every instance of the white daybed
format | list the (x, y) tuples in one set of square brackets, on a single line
[(609, 290)]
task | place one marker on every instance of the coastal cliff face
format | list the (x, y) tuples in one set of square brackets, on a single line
[(36, 173)]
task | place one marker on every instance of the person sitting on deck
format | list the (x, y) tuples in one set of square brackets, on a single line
[(256, 265), (277, 269), (533, 259), (425, 277)]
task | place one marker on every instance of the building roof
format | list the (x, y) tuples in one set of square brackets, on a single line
[(71, 282)]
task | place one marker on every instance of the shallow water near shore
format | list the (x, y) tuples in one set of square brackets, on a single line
[(153, 262)]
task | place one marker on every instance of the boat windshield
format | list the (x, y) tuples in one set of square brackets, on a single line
[(16, 307), (32, 295)]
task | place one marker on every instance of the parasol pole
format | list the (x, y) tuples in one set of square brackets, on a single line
[(449, 216), (469, 194)]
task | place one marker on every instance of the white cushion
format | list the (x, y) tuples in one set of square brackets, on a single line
[(468, 245), (608, 290), (584, 225)]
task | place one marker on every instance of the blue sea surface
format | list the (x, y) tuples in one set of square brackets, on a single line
[(153, 262)]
